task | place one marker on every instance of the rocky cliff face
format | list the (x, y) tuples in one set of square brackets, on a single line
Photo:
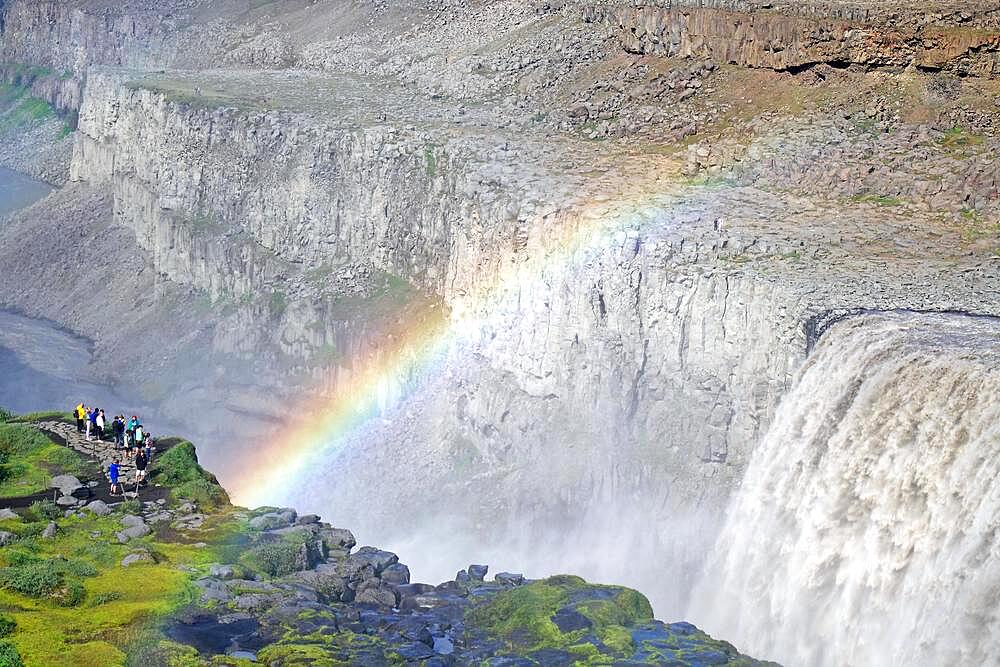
[(796, 36)]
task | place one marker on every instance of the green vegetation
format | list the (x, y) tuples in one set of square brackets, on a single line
[(328, 649), (178, 468), (878, 200), (9, 657), (66, 599), (976, 227), (278, 303), (43, 510), (522, 617), (25, 72), (430, 160), (275, 560), (28, 460), (31, 417), (203, 223), (18, 108), (958, 137)]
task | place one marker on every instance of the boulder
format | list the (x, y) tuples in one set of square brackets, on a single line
[(222, 571), (371, 557), (338, 539), (66, 501), (325, 580), (50, 530), (509, 579), (375, 593), (130, 520), (414, 652), (307, 519), (6, 538), (269, 521), (309, 555), (7, 513), (478, 572), (67, 484), (213, 590), (98, 507), (137, 557), (132, 532), (397, 573)]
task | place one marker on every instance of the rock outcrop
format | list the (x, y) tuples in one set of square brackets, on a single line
[(792, 35)]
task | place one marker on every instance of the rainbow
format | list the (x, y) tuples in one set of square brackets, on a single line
[(414, 348)]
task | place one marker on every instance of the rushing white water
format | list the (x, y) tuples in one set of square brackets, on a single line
[(867, 529)]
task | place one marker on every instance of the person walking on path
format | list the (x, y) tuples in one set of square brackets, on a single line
[(140, 438), (90, 421), (140, 468), (99, 421), (113, 475), (148, 449), (79, 413)]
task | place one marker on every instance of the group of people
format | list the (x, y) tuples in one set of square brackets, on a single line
[(129, 435)]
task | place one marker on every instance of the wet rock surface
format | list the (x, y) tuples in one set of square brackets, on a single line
[(358, 606)]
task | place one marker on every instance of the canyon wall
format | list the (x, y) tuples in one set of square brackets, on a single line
[(797, 35), (615, 337)]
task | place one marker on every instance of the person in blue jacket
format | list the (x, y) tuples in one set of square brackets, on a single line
[(113, 474)]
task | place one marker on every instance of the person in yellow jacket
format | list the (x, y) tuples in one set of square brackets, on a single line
[(80, 413)]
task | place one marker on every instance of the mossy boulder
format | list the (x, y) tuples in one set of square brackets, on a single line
[(564, 613)]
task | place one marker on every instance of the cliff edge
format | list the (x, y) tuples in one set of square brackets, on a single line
[(173, 574)]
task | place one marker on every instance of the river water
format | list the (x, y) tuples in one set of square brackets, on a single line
[(43, 367), (18, 191)]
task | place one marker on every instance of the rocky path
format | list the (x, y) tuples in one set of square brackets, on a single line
[(71, 491)]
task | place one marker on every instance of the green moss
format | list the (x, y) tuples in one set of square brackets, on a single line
[(179, 469), (522, 617), (329, 649)]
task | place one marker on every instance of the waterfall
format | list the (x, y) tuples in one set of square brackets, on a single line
[(867, 527)]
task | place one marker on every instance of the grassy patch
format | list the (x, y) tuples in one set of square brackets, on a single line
[(878, 200), (975, 227), (81, 565), (51, 415), (957, 137), (29, 460), (179, 469), (18, 108)]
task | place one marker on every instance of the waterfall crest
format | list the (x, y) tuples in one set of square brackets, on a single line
[(866, 529)]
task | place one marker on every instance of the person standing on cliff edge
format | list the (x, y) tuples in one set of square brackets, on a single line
[(79, 413)]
